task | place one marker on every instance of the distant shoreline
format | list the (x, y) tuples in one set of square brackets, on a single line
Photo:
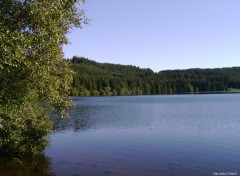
[(93, 79), (184, 93)]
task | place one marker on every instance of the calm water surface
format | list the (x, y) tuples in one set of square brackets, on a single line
[(148, 136)]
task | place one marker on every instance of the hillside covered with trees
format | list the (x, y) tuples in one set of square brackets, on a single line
[(93, 79)]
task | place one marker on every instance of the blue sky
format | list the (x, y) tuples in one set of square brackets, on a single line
[(160, 34)]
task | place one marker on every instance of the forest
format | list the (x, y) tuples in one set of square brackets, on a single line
[(104, 79)]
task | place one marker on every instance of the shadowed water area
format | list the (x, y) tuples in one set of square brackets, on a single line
[(143, 135)]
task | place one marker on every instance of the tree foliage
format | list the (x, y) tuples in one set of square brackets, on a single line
[(115, 79), (34, 78)]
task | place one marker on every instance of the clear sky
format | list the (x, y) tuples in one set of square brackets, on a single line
[(160, 34)]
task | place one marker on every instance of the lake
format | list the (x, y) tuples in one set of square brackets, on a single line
[(165, 135)]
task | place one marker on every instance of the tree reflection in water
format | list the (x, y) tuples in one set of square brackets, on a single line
[(80, 119), (35, 165)]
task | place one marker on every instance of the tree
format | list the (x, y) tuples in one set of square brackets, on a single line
[(34, 78), (131, 80)]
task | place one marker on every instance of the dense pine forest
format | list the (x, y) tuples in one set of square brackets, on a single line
[(94, 79)]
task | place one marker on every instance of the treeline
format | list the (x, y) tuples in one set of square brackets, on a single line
[(94, 79)]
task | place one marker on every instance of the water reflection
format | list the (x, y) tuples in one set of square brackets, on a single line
[(79, 119), (93, 117), (150, 135), (37, 166)]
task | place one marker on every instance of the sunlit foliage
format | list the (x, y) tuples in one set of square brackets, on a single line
[(34, 78)]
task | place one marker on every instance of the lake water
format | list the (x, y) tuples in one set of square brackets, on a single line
[(146, 136)]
